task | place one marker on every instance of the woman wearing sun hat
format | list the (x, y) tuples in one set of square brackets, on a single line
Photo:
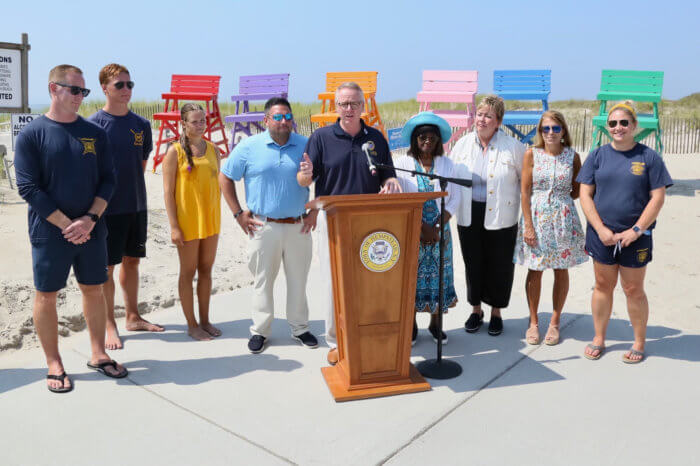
[(623, 186), (425, 134)]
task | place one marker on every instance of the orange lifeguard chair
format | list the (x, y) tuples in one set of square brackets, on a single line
[(189, 87), (367, 80)]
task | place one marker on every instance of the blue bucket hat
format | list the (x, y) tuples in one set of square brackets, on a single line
[(426, 118)]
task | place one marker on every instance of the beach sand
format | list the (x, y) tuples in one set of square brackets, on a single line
[(672, 284)]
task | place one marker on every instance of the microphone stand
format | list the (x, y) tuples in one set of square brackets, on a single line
[(438, 368)]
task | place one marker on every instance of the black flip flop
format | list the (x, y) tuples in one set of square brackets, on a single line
[(63, 388), (100, 367)]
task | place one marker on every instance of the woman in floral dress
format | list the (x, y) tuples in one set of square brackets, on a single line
[(550, 234), (426, 133)]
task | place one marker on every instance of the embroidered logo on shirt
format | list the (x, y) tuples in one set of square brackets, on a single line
[(637, 168), (138, 137), (88, 145), (380, 251), (642, 255)]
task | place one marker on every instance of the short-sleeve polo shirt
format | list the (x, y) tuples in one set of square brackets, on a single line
[(623, 182), (269, 172), (340, 164)]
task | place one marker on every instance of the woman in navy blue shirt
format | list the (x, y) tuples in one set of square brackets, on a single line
[(623, 185)]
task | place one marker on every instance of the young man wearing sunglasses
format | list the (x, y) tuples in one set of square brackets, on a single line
[(65, 173), (125, 217), (274, 220)]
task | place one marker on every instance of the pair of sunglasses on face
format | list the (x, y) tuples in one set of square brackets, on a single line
[(554, 129), (120, 85), (623, 123), (280, 116), (74, 90)]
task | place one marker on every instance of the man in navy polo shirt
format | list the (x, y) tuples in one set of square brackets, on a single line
[(64, 172), (275, 221), (125, 217), (336, 161)]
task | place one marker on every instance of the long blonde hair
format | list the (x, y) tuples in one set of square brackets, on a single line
[(559, 118)]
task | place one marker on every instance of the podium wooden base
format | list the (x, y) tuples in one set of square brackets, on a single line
[(336, 385)]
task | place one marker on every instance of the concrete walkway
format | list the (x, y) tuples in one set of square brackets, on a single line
[(187, 402)]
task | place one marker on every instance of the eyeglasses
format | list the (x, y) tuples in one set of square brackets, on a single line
[(350, 104), (428, 137), (74, 90), (623, 123), (554, 129), (280, 116), (120, 84)]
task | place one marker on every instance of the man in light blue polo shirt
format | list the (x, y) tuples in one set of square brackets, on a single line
[(274, 221)]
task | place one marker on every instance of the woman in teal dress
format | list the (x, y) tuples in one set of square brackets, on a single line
[(425, 133)]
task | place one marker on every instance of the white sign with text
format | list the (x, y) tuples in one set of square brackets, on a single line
[(10, 78), (19, 121)]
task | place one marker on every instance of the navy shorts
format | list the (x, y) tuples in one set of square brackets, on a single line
[(636, 255), (53, 259), (126, 236)]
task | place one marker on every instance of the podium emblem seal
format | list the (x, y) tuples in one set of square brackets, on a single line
[(380, 251)]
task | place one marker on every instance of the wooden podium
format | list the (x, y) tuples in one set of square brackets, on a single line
[(373, 241)]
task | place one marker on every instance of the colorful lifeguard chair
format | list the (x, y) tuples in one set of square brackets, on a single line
[(367, 80), (523, 85), (188, 87), (638, 86), (252, 88), (453, 87)]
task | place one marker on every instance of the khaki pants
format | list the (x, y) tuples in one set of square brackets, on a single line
[(326, 288), (272, 244)]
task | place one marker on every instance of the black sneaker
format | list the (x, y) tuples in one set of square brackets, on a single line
[(415, 334), (474, 322), (434, 332), (495, 326), (256, 344), (307, 340)]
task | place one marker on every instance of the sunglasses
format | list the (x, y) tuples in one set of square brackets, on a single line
[(74, 90), (427, 137), (554, 129), (623, 123), (280, 116), (120, 84)]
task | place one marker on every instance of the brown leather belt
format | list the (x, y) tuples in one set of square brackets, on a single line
[(284, 220)]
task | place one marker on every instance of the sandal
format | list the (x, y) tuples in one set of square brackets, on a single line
[(592, 347), (100, 367), (552, 337), (532, 336), (633, 352), (61, 378)]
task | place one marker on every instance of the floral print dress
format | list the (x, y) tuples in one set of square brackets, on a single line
[(427, 287), (560, 239)]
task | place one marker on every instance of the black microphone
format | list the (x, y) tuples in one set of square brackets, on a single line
[(372, 168)]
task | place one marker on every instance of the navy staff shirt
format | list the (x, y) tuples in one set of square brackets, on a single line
[(623, 182), (131, 140), (61, 166), (340, 164)]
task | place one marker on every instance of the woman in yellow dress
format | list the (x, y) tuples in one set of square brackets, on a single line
[(192, 201)]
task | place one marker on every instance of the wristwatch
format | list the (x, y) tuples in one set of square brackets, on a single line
[(238, 213), (93, 217), (636, 229)]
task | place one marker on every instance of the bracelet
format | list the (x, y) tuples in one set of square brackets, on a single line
[(238, 213)]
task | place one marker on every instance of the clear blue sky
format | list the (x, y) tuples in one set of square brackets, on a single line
[(155, 39)]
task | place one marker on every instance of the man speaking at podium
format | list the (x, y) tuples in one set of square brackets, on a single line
[(340, 159)]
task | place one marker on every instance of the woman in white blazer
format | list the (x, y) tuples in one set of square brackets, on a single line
[(487, 217), (425, 134)]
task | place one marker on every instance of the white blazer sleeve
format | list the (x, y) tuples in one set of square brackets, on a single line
[(518, 155), (453, 190), (407, 182)]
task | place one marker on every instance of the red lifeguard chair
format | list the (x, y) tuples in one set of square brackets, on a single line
[(188, 87)]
